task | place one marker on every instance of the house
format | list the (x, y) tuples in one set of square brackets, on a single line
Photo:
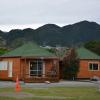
[(30, 63), (89, 64)]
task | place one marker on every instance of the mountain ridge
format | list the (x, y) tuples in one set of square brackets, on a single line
[(52, 34)]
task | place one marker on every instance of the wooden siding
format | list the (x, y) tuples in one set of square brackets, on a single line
[(84, 71), (15, 69), (20, 68)]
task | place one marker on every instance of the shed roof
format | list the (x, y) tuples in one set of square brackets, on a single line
[(29, 49), (84, 53)]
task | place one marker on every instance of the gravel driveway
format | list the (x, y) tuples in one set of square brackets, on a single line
[(43, 85)]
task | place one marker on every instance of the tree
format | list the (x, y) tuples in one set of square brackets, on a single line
[(3, 51), (70, 65), (93, 46)]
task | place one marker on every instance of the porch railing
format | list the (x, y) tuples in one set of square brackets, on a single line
[(41, 78)]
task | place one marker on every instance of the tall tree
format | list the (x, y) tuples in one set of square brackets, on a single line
[(70, 64)]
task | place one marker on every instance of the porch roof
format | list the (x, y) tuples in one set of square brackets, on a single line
[(84, 53), (29, 49)]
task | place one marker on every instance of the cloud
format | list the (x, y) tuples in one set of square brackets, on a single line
[(48, 11)]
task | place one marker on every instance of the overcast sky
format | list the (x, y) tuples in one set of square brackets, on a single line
[(33, 13)]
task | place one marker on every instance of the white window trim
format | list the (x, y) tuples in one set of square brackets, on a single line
[(93, 63), (10, 69), (43, 69)]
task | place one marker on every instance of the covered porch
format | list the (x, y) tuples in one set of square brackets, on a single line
[(39, 69)]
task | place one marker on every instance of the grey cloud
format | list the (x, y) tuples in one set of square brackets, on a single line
[(48, 11)]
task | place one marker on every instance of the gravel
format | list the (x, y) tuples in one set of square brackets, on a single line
[(43, 85)]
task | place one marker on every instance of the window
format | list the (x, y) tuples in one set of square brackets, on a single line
[(93, 66), (36, 68), (3, 65)]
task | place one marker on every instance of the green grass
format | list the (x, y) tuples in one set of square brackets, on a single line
[(71, 93)]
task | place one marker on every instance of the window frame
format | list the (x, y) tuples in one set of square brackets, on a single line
[(37, 70), (4, 65), (92, 66)]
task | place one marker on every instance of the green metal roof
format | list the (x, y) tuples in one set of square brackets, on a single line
[(84, 53), (29, 49)]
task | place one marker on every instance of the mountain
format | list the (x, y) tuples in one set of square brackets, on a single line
[(81, 32), (51, 34), (18, 37)]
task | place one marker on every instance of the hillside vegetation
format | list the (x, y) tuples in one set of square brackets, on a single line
[(51, 34)]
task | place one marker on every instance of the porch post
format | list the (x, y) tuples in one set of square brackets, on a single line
[(24, 69), (58, 72), (43, 68)]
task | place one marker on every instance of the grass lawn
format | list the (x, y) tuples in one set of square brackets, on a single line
[(69, 93)]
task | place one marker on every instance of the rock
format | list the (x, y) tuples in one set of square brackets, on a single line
[(47, 82)]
